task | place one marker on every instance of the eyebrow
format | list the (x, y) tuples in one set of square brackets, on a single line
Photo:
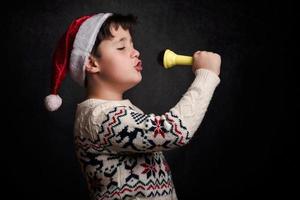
[(123, 39)]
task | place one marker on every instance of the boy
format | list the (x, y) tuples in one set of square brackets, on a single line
[(118, 146)]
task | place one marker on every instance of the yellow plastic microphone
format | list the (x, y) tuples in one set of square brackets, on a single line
[(168, 59)]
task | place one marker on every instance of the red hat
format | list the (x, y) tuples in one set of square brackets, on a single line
[(72, 54)]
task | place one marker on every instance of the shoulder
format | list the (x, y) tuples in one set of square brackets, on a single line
[(90, 114), (114, 106)]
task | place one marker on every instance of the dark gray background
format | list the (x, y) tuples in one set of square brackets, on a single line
[(246, 143)]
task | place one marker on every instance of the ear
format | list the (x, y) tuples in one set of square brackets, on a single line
[(92, 66)]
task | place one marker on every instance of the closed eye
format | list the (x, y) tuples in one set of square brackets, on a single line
[(121, 48)]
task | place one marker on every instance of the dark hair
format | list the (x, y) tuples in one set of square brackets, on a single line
[(125, 21)]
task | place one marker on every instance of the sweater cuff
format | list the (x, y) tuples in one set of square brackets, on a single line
[(206, 78)]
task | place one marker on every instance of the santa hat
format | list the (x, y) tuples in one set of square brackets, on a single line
[(72, 54)]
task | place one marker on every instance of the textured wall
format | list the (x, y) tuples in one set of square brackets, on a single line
[(243, 146)]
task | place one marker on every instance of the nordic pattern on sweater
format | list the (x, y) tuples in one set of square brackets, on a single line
[(134, 141), (128, 130), (120, 148)]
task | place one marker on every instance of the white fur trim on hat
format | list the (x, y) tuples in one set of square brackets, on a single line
[(83, 44)]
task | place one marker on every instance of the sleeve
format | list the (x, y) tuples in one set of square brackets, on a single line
[(124, 129)]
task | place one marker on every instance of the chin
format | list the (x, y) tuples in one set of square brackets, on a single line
[(138, 80), (135, 82)]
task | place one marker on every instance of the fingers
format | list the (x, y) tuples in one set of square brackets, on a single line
[(198, 52)]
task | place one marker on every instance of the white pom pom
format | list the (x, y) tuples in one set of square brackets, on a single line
[(53, 102)]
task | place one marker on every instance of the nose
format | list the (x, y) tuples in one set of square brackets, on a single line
[(135, 53)]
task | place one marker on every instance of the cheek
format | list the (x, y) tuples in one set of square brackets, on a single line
[(117, 67)]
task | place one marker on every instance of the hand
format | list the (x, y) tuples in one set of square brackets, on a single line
[(206, 60)]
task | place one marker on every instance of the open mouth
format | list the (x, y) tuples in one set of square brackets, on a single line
[(139, 66)]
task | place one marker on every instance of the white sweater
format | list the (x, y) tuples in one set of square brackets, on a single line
[(120, 148)]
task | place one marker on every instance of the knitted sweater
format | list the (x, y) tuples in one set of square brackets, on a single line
[(119, 148)]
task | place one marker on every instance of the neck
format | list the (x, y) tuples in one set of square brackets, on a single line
[(104, 91)]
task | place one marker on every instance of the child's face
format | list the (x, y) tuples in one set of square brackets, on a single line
[(118, 59)]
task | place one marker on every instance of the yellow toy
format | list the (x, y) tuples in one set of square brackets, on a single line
[(169, 59)]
